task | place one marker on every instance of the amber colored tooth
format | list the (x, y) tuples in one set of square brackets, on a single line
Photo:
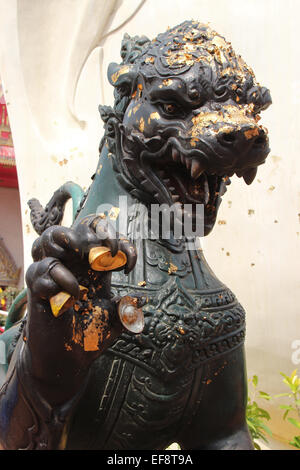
[(175, 155), (249, 175), (196, 169), (62, 301), (100, 259)]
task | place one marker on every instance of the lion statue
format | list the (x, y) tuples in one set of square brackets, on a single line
[(147, 348)]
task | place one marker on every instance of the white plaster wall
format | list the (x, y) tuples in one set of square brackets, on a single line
[(46, 46)]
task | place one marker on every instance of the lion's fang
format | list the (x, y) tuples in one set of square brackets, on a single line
[(188, 163), (250, 175), (175, 155), (196, 169)]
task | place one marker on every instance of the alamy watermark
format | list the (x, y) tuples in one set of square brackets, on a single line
[(2, 352), (296, 354), (178, 221)]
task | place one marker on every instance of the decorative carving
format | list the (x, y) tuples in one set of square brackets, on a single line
[(9, 273), (53, 213), (183, 331)]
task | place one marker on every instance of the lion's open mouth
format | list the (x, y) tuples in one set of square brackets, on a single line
[(188, 183), (191, 180)]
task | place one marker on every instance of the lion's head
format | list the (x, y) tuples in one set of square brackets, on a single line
[(185, 119)]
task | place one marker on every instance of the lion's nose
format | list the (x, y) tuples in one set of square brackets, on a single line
[(244, 137)]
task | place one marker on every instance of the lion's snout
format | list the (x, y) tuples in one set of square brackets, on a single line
[(249, 142), (244, 136), (230, 137)]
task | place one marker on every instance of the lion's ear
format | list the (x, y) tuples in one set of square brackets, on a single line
[(260, 97), (266, 95), (122, 76)]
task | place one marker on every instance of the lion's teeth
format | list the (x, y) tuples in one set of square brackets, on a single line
[(188, 163), (196, 169), (249, 175), (175, 197), (175, 155), (239, 173), (171, 188)]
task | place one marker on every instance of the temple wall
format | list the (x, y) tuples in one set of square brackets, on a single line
[(53, 61), (11, 227)]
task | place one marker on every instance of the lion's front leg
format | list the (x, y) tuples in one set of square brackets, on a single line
[(50, 366)]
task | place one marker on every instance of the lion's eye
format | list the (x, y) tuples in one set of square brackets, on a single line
[(171, 108)]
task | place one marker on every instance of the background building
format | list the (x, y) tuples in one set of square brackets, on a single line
[(11, 242)]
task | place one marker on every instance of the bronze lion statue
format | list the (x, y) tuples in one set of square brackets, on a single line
[(149, 348)]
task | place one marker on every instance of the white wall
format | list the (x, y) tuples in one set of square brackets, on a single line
[(56, 130)]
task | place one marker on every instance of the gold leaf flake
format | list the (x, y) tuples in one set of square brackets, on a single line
[(114, 213), (172, 268), (121, 71), (142, 124)]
